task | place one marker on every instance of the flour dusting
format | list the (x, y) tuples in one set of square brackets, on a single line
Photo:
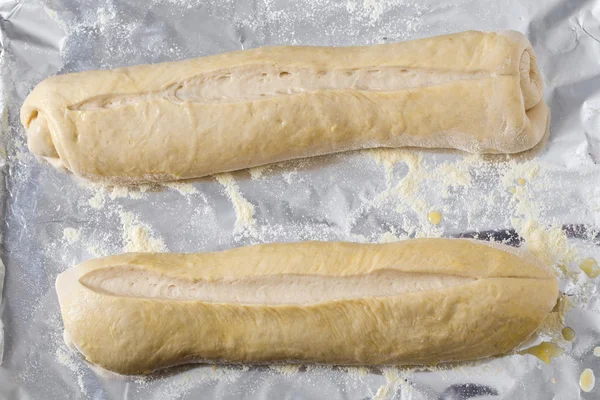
[(72, 235), (67, 358), (257, 173), (285, 369), (137, 236), (97, 201), (183, 188), (396, 191), (244, 210)]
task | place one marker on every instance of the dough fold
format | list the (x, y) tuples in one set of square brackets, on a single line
[(419, 301), (473, 91)]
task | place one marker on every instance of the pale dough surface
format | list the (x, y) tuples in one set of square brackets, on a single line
[(473, 91), (455, 299)]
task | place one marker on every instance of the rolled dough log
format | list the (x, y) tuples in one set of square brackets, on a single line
[(473, 91), (420, 301)]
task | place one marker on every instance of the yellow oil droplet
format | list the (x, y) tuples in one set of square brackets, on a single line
[(597, 351), (590, 267), (214, 367), (435, 217), (512, 189), (545, 351), (521, 181), (587, 380), (568, 333)]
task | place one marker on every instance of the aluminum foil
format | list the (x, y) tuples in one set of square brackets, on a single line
[(548, 201)]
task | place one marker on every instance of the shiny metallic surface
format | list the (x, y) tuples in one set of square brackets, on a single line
[(52, 221)]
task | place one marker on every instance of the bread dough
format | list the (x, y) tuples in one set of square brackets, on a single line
[(473, 91), (419, 301)]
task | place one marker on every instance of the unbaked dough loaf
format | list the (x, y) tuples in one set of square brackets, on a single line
[(420, 301), (473, 91)]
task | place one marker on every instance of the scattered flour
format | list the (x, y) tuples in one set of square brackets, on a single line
[(72, 235), (452, 175), (283, 369), (407, 193), (119, 191), (184, 188), (96, 250), (548, 243), (97, 201), (257, 172), (388, 237), (101, 193), (552, 326), (388, 158), (357, 372), (244, 210), (137, 236), (134, 192), (289, 176), (67, 358), (523, 211), (520, 172), (181, 384), (395, 378)]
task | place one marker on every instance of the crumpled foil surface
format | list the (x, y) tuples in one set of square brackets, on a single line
[(547, 201)]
